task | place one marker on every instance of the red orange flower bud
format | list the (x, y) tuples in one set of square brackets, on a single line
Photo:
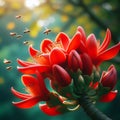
[(109, 78), (91, 44), (61, 75), (87, 64), (74, 61)]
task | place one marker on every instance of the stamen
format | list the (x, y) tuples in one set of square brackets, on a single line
[(51, 46), (46, 50), (70, 102), (75, 108), (59, 44)]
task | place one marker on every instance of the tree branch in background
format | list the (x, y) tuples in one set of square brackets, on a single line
[(100, 23)]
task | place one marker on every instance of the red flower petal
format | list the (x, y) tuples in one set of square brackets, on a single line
[(57, 56), (33, 52), (28, 103), (36, 86), (53, 111), (106, 42), (108, 54), (42, 59), (109, 96), (39, 57), (32, 84), (82, 48), (33, 68), (24, 63), (47, 45), (63, 39), (83, 35), (75, 42), (20, 95), (91, 45)]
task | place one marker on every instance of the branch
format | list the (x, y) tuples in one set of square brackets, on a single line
[(97, 20), (91, 110)]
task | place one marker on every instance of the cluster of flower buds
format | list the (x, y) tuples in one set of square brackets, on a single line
[(71, 66)]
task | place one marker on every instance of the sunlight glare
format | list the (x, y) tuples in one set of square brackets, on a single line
[(31, 4), (2, 3)]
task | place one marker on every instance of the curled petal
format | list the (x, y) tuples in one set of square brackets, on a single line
[(108, 54), (61, 76), (109, 96), (57, 56), (91, 44), (32, 84), (20, 95), (63, 39), (51, 111), (106, 41), (75, 42), (33, 52), (24, 63), (33, 68), (87, 64), (47, 45), (27, 103), (35, 86)]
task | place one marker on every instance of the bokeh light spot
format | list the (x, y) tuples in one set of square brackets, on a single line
[(10, 26)]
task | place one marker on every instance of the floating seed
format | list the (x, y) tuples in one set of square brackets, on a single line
[(6, 61), (47, 31), (12, 33)]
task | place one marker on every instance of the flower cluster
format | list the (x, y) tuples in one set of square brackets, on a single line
[(72, 68)]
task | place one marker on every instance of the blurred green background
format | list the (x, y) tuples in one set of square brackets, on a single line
[(58, 15)]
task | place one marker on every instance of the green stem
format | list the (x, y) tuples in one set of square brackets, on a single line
[(91, 110)]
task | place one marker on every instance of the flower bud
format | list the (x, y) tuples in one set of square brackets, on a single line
[(61, 76), (87, 64), (109, 78), (74, 61)]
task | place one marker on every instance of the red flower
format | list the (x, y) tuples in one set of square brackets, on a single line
[(37, 92), (51, 53), (97, 52), (59, 62), (109, 80)]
